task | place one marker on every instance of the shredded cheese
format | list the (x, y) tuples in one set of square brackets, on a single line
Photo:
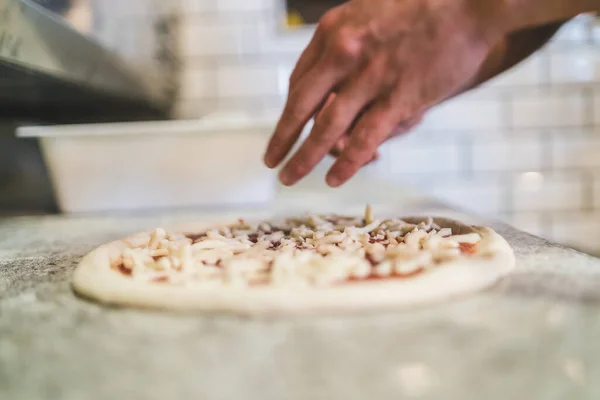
[(310, 251)]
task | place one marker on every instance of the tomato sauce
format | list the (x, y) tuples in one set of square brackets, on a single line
[(374, 277), (467, 248), (121, 268)]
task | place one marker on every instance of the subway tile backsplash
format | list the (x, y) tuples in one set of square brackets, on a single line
[(534, 191), (576, 150), (544, 108), (485, 194), (497, 153), (577, 64), (427, 158), (197, 84), (242, 5), (467, 112), (524, 147), (213, 38), (251, 79)]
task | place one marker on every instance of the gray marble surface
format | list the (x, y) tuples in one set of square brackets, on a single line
[(532, 336)]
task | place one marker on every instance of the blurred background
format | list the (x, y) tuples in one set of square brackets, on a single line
[(524, 148)]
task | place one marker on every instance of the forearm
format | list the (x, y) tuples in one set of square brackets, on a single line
[(527, 26), (510, 51), (515, 15)]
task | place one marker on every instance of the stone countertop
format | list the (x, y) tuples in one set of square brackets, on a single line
[(532, 336)]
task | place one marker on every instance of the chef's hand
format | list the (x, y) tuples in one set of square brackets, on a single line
[(339, 147), (386, 61)]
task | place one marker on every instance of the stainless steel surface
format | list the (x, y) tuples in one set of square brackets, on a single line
[(77, 61), (46, 61)]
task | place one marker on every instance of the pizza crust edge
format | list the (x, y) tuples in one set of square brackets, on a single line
[(94, 278)]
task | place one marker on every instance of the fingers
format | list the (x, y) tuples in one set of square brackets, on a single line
[(312, 79), (310, 56), (308, 96), (326, 104), (384, 120), (333, 123), (374, 127), (341, 144), (406, 126), (307, 60), (342, 53)]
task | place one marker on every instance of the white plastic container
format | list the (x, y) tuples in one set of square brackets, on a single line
[(214, 161)]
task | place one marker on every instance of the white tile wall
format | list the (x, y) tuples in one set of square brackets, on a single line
[(483, 195), (596, 190), (249, 80), (497, 153), (467, 112), (596, 105), (534, 191), (594, 32), (224, 6), (411, 155), (198, 83), (243, 5), (265, 105), (275, 40), (218, 38), (579, 149), (525, 145), (135, 8), (198, 6), (576, 32), (574, 65), (545, 108)]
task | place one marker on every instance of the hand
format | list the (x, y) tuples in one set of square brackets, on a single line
[(387, 62), (339, 147), (401, 129)]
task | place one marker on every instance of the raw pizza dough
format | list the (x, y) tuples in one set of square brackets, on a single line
[(361, 287)]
